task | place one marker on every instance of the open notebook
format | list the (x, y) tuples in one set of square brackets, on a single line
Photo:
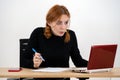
[(101, 58)]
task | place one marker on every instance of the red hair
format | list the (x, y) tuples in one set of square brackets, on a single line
[(54, 14)]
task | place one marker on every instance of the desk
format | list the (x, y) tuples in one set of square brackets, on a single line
[(28, 73)]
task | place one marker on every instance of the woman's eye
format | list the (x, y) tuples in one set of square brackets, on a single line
[(59, 23), (66, 22)]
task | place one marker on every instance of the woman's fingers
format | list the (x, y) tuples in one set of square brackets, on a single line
[(37, 60)]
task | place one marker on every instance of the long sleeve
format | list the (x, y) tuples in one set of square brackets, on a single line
[(55, 52), (32, 43), (75, 53)]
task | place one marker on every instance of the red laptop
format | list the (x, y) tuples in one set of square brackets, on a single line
[(101, 58)]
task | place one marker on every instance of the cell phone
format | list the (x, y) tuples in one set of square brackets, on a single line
[(14, 69)]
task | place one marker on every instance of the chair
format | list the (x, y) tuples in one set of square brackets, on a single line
[(23, 47)]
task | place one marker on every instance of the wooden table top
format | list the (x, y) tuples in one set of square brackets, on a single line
[(28, 73)]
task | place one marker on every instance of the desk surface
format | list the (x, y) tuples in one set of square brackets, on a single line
[(28, 73)]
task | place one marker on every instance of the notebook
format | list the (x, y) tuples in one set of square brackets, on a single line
[(101, 58)]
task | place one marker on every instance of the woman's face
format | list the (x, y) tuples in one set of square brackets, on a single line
[(60, 26)]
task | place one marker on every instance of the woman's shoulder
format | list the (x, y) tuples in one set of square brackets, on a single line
[(72, 35), (39, 28), (71, 32)]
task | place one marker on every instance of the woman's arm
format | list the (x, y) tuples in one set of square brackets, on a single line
[(75, 53)]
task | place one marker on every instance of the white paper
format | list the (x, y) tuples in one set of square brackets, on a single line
[(50, 69)]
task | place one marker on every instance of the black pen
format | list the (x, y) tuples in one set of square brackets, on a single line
[(40, 55)]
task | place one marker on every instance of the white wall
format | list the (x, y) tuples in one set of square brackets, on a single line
[(94, 21)]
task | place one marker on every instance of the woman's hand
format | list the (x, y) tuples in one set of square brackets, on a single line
[(37, 60)]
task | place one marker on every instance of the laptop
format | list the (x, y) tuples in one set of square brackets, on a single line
[(101, 58)]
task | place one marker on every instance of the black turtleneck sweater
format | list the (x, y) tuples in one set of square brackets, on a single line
[(54, 50)]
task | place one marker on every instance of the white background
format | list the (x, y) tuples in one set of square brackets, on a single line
[(94, 21)]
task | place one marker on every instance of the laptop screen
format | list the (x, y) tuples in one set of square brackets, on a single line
[(102, 56)]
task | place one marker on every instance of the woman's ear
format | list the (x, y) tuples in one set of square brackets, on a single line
[(49, 24)]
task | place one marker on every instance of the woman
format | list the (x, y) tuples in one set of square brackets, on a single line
[(55, 42)]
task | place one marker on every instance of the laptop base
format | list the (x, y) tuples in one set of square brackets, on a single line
[(84, 70)]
